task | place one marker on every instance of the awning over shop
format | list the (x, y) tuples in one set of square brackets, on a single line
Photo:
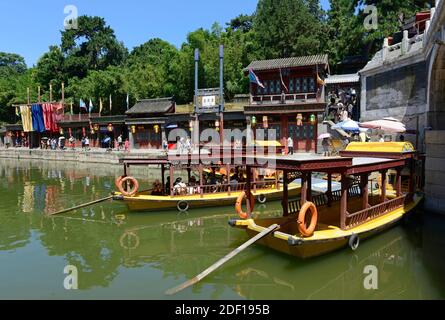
[(139, 121)]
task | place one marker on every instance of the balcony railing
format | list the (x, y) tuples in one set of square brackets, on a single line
[(286, 98)]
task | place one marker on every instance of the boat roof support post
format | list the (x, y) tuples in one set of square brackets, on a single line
[(201, 191), (254, 179), (364, 190), (309, 186), (189, 173), (248, 189), (383, 186), (163, 178), (398, 181), (285, 202), (171, 169), (343, 201), (303, 188), (412, 178), (329, 191), (228, 178)]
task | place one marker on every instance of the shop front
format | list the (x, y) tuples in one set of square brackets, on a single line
[(146, 134), (301, 126), (146, 122), (106, 130), (77, 126)]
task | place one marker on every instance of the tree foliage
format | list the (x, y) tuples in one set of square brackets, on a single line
[(94, 64)]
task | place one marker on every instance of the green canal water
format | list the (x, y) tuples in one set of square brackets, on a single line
[(121, 255)]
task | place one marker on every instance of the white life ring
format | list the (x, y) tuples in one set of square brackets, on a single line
[(182, 206), (262, 198), (354, 241)]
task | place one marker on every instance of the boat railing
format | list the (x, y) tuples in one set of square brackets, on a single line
[(360, 217), (222, 188), (323, 199)]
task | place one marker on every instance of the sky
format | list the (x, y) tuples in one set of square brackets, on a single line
[(29, 27)]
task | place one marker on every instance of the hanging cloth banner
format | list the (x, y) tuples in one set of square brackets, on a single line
[(25, 112), (57, 115), (47, 116), (37, 118)]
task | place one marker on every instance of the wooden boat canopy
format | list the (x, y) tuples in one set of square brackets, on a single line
[(393, 150), (345, 165)]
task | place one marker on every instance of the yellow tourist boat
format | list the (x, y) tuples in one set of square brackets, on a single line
[(317, 224), (211, 189)]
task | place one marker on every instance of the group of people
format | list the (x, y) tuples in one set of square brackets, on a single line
[(342, 105), (12, 141), (213, 182), (184, 145), (53, 143)]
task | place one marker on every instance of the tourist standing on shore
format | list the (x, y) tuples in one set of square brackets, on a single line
[(127, 145), (119, 142), (326, 143), (87, 143), (72, 141), (290, 145)]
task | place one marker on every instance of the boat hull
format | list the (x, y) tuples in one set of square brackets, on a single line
[(156, 203), (324, 241)]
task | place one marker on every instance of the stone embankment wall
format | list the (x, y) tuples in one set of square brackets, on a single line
[(435, 171), (77, 156)]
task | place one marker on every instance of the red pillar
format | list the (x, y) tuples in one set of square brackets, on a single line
[(248, 189), (398, 182), (285, 202), (329, 192), (383, 186), (364, 190), (343, 202), (309, 186), (304, 187), (284, 132)]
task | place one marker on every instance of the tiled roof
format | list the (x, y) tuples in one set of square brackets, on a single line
[(162, 105), (342, 78), (288, 62)]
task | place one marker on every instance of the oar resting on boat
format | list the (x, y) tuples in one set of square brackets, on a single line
[(220, 262), (81, 205), (88, 204)]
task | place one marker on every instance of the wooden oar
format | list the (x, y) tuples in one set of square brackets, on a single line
[(88, 204), (220, 262), (81, 206)]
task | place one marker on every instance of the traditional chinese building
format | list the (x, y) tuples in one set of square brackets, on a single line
[(146, 122), (76, 125), (104, 127), (289, 98)]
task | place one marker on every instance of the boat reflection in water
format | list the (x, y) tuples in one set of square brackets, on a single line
[(139, 256), (261, 273)]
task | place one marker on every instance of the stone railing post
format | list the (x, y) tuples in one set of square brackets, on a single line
[(405, 43), (385, 49)]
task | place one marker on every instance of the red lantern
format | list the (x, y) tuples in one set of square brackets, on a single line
[(84, 132)]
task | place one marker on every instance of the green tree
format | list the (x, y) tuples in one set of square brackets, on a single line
[(285, 28), (243, 22), (93, 46), (50, 68), (11, 63)]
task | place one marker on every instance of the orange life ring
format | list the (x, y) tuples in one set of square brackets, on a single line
[(132, 191), (307, 231), (239, 202), (118, 181)]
